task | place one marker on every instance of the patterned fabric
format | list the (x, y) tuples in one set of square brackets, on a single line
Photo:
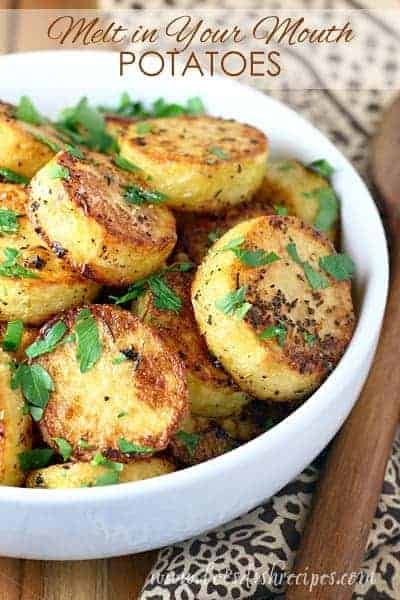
[(249, 557)]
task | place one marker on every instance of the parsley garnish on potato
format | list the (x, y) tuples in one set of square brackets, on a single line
[(8, 221), (10, 176), (135, 194), (11, 268), (132, 448), (48, 342), (234, 303), (13, 335), (316, 280), (36, 385), (88, 340), (35, 459), (322, 167)]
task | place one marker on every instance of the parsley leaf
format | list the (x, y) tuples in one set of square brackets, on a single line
[(131, 448), (126, 108), (309, 338), (164, 297), (281, 210), (120, 359), (27, 112), (340, 266), (35, 459), (322, 167), (160, 108), (328, 211), (13, 335), (36, 385), (219, 153), (275, 331), (143, 128), (88, 339), (12, 177), (8, 221), (99, 459), (315, 279), (56, 171), (74, 151), (47, 142), (195, 107), (48, 342), (125, 164), (234, 303), (189, 440), (135, 194), (11, 268), (107, 478), (89, 124), (251, 258), (213, 236), (64, 448)]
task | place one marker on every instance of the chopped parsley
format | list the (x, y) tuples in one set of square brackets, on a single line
[(213, 236), (100, 460), (328, 209), (36, 385), (54, 146), (11, 268), (250, 258), (160, 108), (64, 448), (48, 342), (56, 171), (13, 335), (35, 459), (322, 167), (10, 176), (275, 331), (131, 448), (120, 359), (309, 338), (219, 153), (122, 414), (135, 194), (234, 303), (189, 440), (143, 128), (83, 444), (315, 279), (74, 151), (125, 164), (164, 297), (8, 221), (27, 112), (340, 266), (88, 340), (107, 478), (281, 210), (85, 125)]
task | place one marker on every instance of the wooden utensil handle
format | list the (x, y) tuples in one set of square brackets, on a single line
[(348, 492)]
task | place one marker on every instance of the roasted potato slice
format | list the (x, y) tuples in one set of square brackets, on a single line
[(203, 164), (290, 184), (212, 393), (135, 391), (117, 125), (37, 284), (281, 327), (86, 216), (22, 148), (199, 232), (15, 427), (83, 474), (198, 440)]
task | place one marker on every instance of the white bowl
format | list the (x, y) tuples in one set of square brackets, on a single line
[(132, 517)]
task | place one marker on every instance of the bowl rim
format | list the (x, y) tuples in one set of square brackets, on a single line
[(367, 327)]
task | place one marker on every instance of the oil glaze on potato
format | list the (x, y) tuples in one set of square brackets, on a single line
[(212, 393), (141, 399), (290, 184), (199, 232), (20, 147), (53, 288), (84, 474), (203, 164), (279, 294), (86, 217), (15, 427)]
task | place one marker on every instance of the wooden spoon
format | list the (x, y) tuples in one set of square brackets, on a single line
[(348, 492)]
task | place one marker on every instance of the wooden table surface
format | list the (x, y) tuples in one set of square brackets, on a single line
[(112, 579)]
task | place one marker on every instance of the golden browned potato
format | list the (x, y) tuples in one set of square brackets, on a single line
[(132, 390), (24, 147), (81, 474), (117, 125), (303, 193), (15, 427), (199, 232), (106, 222), (198, 440), (34, 283), (28, 336), (203, 164), (269, 309), (84, 474), (212, 393)]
